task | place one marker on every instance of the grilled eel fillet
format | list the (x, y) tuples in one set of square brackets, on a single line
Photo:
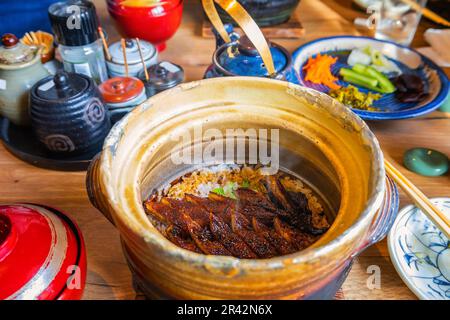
[(253, 226)]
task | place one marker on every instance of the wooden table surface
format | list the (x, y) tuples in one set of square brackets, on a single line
[(108, 275)]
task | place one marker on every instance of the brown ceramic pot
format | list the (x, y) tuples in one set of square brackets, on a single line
[(320, 140)]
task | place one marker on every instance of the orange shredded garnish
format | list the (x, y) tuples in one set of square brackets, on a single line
[(318, 70)]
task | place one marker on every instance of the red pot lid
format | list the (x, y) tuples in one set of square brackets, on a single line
[(42, 254), (121, 89)]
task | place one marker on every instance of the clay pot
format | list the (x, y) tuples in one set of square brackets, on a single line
[(320, 140)]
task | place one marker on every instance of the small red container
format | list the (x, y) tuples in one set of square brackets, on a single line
[(42, 254), (155, 24)]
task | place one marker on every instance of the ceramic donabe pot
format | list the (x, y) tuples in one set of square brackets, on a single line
[(320, 141), (68, 115)]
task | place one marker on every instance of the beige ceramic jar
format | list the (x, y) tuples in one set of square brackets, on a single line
[(20, 69)]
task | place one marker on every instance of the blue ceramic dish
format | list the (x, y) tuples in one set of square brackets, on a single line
[(240, 58), (408, 60), (421, 253)]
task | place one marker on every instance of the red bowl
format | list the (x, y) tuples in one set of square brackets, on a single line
[(154, 24)]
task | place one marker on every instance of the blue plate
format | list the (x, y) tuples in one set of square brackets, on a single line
[(407, 59)]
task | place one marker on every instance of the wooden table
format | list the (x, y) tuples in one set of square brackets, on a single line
[(109, 277)]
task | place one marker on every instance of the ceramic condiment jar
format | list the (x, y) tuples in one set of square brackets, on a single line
[(20, 69), (116, 67), (240, 58), (42, 254), (162, 76), (68, 114), (122, 95)]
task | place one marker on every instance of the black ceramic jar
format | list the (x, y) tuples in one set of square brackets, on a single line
[(264, 12), (68, 115)]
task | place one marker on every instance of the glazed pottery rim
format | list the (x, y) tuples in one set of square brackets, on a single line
[(228, 73), (164, 13), (394, 258), (370, 211), (21, 65)]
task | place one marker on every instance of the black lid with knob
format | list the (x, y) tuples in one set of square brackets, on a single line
[(68, 115), (163, 75), (61, 88), (74, 23)]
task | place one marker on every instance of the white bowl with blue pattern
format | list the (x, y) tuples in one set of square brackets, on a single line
[(421, 253)]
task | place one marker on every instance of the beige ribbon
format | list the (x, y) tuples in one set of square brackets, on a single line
[(247, 24)]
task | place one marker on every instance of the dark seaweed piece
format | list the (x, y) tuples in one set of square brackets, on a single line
[(408, 97), (177, 236), (410, 88), (257, 242), (223, 233), (282, 246)]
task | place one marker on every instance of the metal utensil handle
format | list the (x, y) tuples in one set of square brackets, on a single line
[(247, 24)]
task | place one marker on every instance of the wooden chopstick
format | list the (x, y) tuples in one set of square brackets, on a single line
[(124, 49), (105, 44), (421, 200), (427, 12), (142, 59)]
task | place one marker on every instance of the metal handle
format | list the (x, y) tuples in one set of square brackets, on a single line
[(245, 21)]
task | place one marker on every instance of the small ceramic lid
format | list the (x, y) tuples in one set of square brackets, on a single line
[(61, 87), (242, 58), (13, 51), (132, 51), (121, 89), (164, 75), (39, 250)]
